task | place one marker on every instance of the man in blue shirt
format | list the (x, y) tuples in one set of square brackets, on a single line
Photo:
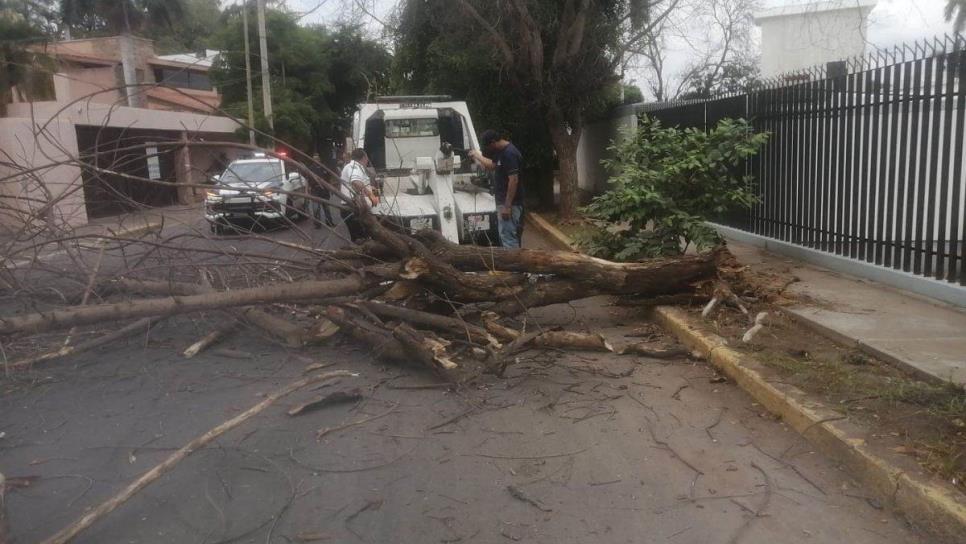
[(505, 160)]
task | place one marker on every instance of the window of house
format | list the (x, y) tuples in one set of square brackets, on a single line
[(182, 79)]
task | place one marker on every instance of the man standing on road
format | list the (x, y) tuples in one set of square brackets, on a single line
[(505, 160), (357, 188), (320, 192)]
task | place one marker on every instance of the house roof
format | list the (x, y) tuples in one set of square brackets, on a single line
[(195, 60)]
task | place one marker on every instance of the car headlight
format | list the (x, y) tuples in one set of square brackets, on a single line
[(212, 193)]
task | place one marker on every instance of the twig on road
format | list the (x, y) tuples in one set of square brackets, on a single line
[(68, 533), (519, 495), (761, 507)]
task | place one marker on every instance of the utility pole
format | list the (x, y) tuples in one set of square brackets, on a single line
[(266, 82), (248, 76)]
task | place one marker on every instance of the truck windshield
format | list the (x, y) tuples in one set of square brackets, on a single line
[(411, 128), (252, 173)]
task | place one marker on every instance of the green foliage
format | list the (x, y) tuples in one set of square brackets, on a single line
[(194, 31), (441, 48), (437, 51), (735, 76), (19, 67), (100, 17), (633, 94), (318, 76), (666, 183)]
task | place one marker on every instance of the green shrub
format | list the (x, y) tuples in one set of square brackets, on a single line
[(666, 184)]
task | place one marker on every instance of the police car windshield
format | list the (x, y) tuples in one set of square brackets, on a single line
[(253, 173)]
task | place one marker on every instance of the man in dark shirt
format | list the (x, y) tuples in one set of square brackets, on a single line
[(505, 160)]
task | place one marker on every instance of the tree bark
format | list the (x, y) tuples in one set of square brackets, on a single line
[(86, 315), (471, 332), (565, 144), (648, 278)]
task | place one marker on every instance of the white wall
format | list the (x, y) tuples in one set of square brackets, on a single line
[(595, 138), (798, 37), (26, 193)]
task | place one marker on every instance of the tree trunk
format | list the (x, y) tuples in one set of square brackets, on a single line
[(565, 144), (86, 315)]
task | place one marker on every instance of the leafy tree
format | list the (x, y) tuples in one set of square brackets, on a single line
[(667, 183), (559, 57), (433, 56), (318, 76), (200, 21), (633, 94), (956, 9), (735, 76), (21, 68), (120, 16)]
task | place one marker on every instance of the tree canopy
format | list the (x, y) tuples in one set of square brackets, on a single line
[(318, 75), (114, 16), (535, 61)]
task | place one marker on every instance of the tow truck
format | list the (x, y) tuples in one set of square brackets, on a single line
[(419, 147), (258, 189)]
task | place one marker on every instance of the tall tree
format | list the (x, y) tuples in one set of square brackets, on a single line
[(123, 17), (717, 36), (433, 56), (560, 56), (21, 25), (318, 76), (201, 19)]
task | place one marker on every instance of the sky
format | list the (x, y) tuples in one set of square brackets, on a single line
[(890, 23)]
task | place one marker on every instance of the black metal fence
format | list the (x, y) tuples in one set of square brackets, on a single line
[(865, 158)]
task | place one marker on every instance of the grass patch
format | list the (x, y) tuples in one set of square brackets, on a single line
[(929, 417)]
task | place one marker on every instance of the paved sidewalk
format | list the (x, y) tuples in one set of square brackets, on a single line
[(904, 329)]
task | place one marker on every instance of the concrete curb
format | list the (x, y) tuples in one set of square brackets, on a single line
[(559, 240), (934, 506)]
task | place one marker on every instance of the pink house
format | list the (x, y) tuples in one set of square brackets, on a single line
[(71, 142)]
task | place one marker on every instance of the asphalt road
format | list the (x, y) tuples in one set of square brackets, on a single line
[(569, 447)]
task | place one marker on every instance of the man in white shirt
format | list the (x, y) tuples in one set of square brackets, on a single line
[(357, 187)]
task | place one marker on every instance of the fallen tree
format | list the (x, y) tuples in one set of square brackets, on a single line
[(410, 297), (502, 282)]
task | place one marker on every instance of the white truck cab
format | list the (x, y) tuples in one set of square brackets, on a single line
[(418, 146)]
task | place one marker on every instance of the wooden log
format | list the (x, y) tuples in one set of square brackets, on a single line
[(429, 351), (87, 345), (472, 333), (652, 277), (292, 335), (209, 340), (500, 331), (572, 340), (86, 315), (402, 344), (95, 514)]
